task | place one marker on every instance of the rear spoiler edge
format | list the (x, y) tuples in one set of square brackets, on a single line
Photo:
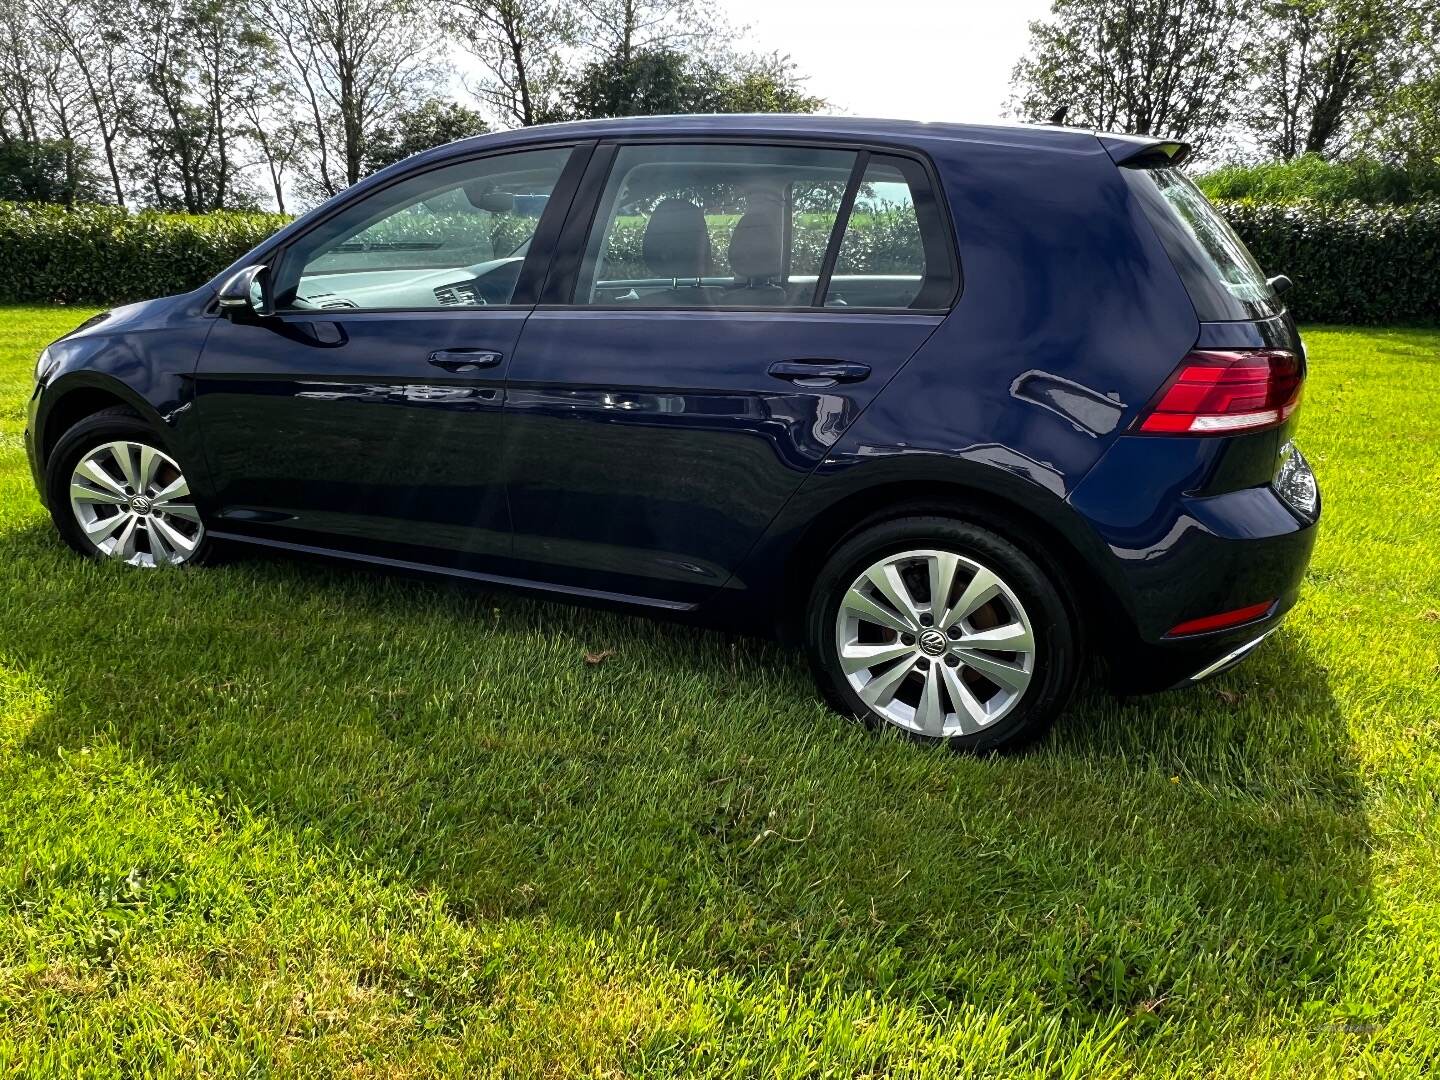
[(1144, 151)]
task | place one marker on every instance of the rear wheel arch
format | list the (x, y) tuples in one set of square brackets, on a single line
[(1088, 597)]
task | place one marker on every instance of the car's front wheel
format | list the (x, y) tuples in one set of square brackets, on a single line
[(116, 493), (944, 630)]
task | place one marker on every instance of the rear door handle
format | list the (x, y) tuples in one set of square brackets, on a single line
[(819, 372), (463, 360)]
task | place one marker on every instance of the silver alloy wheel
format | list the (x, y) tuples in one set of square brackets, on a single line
[(935, 643), (133, 503)]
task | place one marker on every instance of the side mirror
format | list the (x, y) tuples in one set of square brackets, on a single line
[(244, 291), (1280, 283)]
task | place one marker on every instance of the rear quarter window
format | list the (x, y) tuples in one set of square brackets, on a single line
[(1223, 279)]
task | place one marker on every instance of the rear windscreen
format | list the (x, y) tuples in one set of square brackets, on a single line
[(1223, 280)]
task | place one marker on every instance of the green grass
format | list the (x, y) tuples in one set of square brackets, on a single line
[(276, 817)]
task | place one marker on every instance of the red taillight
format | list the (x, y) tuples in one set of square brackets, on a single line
[(1223, 620), (1225, 391)]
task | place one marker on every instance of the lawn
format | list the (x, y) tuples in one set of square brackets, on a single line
[(277, 817)]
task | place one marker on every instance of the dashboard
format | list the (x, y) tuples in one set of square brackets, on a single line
[(491, 282)]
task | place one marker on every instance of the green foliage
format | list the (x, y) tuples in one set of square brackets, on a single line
[(50, 171), (431, 123), (1141, 67), (1353, 264), (107, 255), (1312, 178), (883, 242), (1349, 263), (662, 81)]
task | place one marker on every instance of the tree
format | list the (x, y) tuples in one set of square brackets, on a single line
[(1404, 125), (651, 82), (353, 64), (19, 75), (522, 46), (660, 81), (1147, 67), (44, 122), (282, 140), (1321, 65), (766, 83), (93, 40), (48, 170), (432, 123), (615, 31), (197, 61)]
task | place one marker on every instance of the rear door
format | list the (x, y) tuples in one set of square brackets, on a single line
[(718, 315)]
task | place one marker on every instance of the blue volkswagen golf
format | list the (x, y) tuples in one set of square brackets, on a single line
[(953, 406)]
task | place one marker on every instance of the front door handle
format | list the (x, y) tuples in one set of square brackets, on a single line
[(463, 360), (819, 372)]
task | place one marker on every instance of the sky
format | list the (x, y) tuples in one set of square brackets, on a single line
[(900, 59)]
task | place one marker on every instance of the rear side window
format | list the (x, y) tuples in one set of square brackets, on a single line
[(888, 257), (725, 225), (714, 226), (1223, 280)]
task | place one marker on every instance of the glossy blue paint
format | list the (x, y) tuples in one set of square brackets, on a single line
[(650, 449), (652, 456), (341, 427)]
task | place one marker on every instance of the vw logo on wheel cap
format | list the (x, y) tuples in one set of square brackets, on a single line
[(140, 504), (932, 641)]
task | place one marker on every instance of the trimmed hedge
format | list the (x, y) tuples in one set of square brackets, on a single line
[(1352, 264), (106, 255), (878, 242), (1309, 178)]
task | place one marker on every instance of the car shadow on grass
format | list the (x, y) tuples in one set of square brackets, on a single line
[(1160, 858)]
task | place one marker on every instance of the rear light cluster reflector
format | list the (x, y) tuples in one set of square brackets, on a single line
[(1223, 620), (1225, 392)]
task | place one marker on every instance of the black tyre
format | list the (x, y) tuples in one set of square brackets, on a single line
[(944, 630), (116, 491)]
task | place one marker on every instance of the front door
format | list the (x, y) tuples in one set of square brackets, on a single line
[(366, 413), (729, 319)]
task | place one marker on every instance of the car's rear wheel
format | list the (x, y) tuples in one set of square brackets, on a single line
[(116, 493), (943, 630)]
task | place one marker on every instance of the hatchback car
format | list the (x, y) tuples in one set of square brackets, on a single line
[(954, 406)]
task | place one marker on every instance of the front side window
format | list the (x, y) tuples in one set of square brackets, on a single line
[(455, 236), (714, 226)]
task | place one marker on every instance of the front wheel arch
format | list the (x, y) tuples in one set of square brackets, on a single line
[(78, 396)]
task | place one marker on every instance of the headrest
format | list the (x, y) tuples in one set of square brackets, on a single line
[(757, 246), (676, 242)]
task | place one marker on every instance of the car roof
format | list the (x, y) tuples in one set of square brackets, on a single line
[(791, 125)]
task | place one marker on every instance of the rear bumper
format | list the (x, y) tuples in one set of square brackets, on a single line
[(1226, 660), (1188, 556), (1147, 669), (1209, 574)]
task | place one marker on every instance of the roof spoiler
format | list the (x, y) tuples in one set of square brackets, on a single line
[(1144, 151)]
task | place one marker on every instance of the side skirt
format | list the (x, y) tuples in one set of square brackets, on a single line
[(500, 580)]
